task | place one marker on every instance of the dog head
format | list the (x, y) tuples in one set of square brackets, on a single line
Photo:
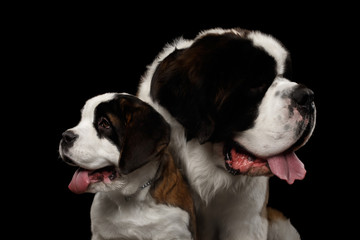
[(234, 87), (117, 136)]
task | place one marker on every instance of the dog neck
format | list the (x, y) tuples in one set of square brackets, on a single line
[(170, 188), (130, 197), (135, 185)]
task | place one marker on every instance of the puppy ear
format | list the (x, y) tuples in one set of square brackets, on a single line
[(145, 136)]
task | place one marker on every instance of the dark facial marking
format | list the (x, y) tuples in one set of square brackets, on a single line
[(213, 88), (105, 124), (145, 134), (139, 132)]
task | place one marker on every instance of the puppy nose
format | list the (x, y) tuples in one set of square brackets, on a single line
[(69, 136), (303, 96)]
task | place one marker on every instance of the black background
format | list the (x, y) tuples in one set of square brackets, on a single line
[(59, 56)]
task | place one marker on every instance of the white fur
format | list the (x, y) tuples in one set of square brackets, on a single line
[(131, 212), (276, 128), (122, 208), (272, 47), (282, 229), (113, 217), (89, 146), (229, 207)]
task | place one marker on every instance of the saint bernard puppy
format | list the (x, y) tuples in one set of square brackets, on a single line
[(236, 118), (121, 148)]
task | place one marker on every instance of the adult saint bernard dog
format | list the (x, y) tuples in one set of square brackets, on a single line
[(236, 118), (121, 148)]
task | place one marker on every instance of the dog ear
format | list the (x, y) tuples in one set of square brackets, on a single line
[(213, 86), (146, 134), (180, 89)]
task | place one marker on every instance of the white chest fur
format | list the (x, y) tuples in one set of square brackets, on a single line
[(230, 215), (114, 217)]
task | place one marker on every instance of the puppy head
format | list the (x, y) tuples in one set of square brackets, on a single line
[(234, 87), (117, 137)]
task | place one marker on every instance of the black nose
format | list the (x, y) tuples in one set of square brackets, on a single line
[(69, 137), (303, 96)]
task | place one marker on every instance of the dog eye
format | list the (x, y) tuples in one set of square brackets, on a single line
[(104, 123)]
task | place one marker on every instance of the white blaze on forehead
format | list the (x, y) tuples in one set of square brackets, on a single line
[(272, 46), (90, 105), (215, 31)]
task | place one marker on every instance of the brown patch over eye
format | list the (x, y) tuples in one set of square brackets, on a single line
[(114, 121), (104, 123)]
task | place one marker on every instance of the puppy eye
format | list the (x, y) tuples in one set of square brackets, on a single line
[(104, 123)]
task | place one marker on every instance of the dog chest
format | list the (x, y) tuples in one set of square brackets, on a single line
[(131, 219)]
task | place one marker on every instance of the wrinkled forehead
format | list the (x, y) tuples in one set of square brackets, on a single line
[(90, 105)]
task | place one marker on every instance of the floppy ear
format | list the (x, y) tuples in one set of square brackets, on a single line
[(205, 87), (177, 87), (146, 134)]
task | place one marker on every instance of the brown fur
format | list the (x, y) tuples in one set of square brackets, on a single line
[(274, 214), (171, 188)]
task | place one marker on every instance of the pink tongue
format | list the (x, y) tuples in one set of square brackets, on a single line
[(287, 167), (80, 181)]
